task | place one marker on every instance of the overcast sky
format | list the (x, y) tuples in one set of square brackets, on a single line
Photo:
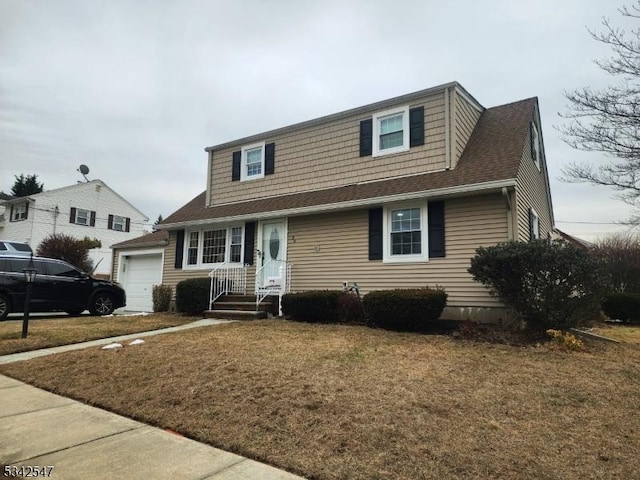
[(136, 89)]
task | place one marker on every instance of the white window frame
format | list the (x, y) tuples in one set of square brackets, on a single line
[(535, 227), (535, 142), (200, 265), (19, 212), (387, 256), (122, 222), (243, 162), (87, 214), (377, 119)]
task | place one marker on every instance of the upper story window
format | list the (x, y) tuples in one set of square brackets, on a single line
[(19, 212), (391, 131), (252, 166), (536, 150), (119, 223), (80, 216)]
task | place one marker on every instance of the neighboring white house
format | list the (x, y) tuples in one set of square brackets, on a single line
[(89, 209)]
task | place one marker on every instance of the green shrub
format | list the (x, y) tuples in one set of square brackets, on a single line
[(161, 297), (312, 306), (622, 306), (553, 285), (350, 309), (405, 309), (192, 295)]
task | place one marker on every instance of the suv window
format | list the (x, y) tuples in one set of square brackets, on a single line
[(62, 270), (17, 265)]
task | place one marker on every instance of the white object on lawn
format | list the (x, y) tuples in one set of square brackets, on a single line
[(137, 341), (111, 346)]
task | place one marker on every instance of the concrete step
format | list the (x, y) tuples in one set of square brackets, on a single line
[(235, 314), (241, 306)]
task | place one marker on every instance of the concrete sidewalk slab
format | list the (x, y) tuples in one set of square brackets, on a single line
[(80, 442)]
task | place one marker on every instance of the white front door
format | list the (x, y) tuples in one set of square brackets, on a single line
[(273, 253)]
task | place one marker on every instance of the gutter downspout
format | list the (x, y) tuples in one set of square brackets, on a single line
[(507, 202)]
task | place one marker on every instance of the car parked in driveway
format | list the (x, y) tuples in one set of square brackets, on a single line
[(58, 286)]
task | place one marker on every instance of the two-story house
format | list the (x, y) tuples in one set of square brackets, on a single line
[(87, 209), (395, 194)]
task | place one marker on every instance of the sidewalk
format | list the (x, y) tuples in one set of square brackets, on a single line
[(38, 428)]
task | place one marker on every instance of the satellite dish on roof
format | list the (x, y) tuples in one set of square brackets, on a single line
[(84, 170)]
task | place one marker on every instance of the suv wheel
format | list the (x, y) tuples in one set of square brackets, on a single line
[(101, 304), (4, 306)]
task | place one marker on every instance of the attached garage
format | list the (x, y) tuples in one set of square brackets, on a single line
[(137, 266)]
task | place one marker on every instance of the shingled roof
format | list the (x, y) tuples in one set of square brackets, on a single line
[(493, 154), (153, 239)]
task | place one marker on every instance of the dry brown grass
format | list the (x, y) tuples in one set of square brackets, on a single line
[(340, 402), (63, 331), (622, 333)]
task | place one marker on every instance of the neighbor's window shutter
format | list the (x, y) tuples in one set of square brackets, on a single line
[(110, 222), (366, 137), (269, 158), (72, 215), (235, 166), (416, 126), (179, 248), (92, 221), (375, 233), (436, 229), (26, 210), (11, 214), (249, 241), (127, 224)]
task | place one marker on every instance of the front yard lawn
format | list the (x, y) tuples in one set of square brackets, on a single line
[(622, 333), (63, 331), (344, 402)]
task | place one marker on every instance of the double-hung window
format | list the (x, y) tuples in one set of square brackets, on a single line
[(207, 247), (82, 217), (19, 212), (391, 131), (405, 233), (119, 223), (252, 166)]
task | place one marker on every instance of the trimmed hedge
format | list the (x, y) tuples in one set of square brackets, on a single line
[(404, 309), (313, 306), (622, 306), (161, 295), (192, 295)]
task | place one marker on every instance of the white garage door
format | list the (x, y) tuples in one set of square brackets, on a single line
[(141, 273)]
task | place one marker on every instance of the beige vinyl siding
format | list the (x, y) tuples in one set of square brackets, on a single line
[(327, 155), (532, 192), (171, 275), (466, 117), (115, 263), (329, 249)]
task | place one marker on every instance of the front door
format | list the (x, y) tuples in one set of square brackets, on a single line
[(273, 254)]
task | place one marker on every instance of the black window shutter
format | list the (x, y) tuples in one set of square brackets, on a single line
[(436, 229), (269, 158), (235, 166), (531, 237), (110, 222), (26, 210), (92, 221), (11, 214), (531, 142), (127, 224), (72, 215), (249, 241), (179, 248), (375, 234), (366, 137), (416, 126)]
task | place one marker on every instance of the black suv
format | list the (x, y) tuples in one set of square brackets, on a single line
[(58, 286)]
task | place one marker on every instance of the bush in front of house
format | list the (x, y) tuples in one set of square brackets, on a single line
[(622, 306), (312, 306), (404, 309), (549, 285), (192, 295), (161, 295)]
